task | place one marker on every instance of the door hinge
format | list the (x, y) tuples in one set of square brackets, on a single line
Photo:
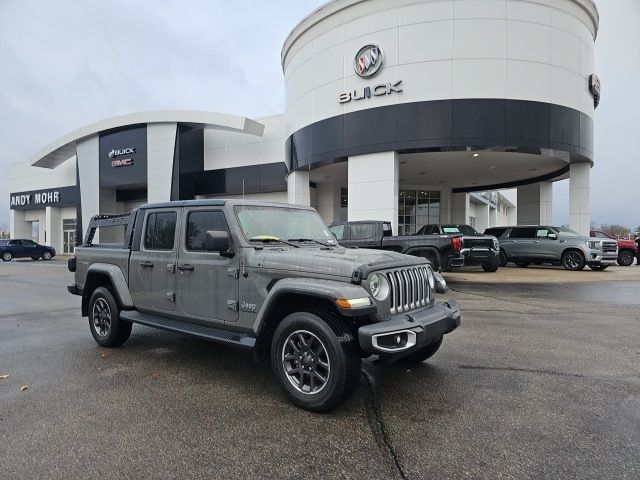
[(171, 296), (232, 272), (232, 305)]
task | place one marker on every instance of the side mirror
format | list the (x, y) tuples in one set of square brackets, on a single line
[(552, 236), (441, 283), (218, 241)]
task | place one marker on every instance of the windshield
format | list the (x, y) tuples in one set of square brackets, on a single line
[(464, 229), (260, 222), (567, 232)]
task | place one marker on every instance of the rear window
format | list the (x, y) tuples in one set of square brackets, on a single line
[(160, 232), (362, 231)]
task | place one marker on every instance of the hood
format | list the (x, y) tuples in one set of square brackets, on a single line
[(338, 261), (623, 242)]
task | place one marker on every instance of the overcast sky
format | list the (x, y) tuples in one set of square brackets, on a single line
[(66, 64)]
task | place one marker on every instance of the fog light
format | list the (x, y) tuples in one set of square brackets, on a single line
[(394, 341)]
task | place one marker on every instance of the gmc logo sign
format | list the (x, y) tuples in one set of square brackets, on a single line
[(122, 162)]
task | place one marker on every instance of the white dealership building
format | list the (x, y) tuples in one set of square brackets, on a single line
[(403, 110)]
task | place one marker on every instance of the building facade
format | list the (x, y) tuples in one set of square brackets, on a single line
[(409, 111)]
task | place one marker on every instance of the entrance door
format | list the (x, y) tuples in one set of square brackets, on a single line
[(152, 269), (68, 236), (207, 281)]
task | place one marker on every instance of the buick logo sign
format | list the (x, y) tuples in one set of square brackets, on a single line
[(114, 152), (368, 61)]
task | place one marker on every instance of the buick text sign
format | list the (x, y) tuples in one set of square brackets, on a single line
[(54, 197), (123, 158)]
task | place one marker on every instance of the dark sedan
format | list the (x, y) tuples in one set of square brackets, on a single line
[(19, 248)]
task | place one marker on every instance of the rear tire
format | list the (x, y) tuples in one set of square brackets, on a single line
[(104, 319), (503, 258), (315, 369), (625, 258), (7, 256), (573, 260), (422, 354)]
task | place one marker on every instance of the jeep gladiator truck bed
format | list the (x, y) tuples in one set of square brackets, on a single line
[(262, 276)]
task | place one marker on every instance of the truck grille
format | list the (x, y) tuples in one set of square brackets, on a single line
[(477, 242), (609, 247), (409, 288)]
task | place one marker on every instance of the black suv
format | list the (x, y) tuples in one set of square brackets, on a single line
[(19, 248)]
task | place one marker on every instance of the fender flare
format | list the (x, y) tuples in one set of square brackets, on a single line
[(429, 248), (322, 289), (119, 283)]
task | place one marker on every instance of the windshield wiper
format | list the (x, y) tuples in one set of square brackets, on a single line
[(310, 240), (270, 238)]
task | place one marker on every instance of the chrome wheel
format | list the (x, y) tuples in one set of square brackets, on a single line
[(101, 316), (305, 362), (6, 256), (46, 255)]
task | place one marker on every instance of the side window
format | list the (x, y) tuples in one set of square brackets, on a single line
[(542, 233), (198, 224), (338, 231), (362, 231), (161, 231), (526, 232)]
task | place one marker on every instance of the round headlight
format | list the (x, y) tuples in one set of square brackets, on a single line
[(432, 279), (379, 286)]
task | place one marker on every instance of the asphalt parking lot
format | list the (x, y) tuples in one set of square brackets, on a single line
[(540, 381)]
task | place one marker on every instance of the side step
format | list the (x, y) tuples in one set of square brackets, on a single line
[(198, 331)]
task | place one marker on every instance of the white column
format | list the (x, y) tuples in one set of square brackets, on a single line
[(535, 204), (18, 227), (53, 225), (87, 154), (482, 217), (328, 201), (161, 140), (493, 215), (459, 208), (373, 188), (579, 207), (298, 191)]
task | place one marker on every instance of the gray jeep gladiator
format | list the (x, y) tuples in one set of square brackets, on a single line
[(266, 277)]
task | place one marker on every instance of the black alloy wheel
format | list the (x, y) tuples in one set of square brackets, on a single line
[(315, 359), (625, 258), (104, 319), (573, 260)]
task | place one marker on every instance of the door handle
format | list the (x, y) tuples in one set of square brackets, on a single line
[(146, 264), (185, 268)]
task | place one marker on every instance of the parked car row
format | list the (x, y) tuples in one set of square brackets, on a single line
[(20, 248), (453, 246)]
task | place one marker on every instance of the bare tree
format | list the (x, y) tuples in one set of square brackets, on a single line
[(4, 230), (615, 229)]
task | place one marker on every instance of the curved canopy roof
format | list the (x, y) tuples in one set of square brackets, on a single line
[(65, 147)]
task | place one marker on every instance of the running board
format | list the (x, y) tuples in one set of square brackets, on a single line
[(198, 331)]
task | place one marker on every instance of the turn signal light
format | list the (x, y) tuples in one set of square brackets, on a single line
[(353, 302)]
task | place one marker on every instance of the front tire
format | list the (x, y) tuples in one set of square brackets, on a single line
[(316, 371), (625, 258), (104, 319), (598, 268), (491, 266), (573, 260), (7, 256), (46, 255), (423, 353)]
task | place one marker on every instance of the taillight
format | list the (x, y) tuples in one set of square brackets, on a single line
[(456, 244)]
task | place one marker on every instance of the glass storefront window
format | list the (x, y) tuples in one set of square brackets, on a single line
[(417, 208)]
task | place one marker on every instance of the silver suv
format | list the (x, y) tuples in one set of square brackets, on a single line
[(524, 245)]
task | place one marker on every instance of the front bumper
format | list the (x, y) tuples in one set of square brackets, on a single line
[(479, 255), (74, 289), (598, 257), (426, 326)]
